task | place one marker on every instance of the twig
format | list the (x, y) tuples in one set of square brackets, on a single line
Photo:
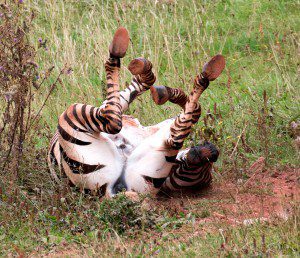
[(235, 147), (12, 141), (44, 103)]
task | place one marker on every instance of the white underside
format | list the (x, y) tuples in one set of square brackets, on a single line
[(132, 152)]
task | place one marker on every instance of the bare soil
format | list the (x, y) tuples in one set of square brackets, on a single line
[(261, 197)]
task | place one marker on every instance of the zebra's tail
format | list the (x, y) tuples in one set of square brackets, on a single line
[(52, 159)]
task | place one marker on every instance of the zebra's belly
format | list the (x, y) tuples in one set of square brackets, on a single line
[(106, 155), (120, 160), (148, 165)]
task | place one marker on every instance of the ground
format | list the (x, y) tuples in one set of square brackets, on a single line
[(261, 198), (266, 197)]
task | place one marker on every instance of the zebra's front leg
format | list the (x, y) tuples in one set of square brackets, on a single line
[(162, 94), (211, 71), (143, 79)]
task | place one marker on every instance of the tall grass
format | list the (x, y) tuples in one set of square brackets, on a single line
[(259, 39)]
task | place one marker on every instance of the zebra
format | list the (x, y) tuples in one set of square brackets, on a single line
[(102, 149)]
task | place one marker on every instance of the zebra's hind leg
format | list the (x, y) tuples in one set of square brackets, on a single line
[(182, 125), (193, 168), (111, 111), (86, 119)]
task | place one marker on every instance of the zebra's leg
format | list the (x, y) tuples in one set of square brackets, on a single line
[(182, 125), (81, 118), (111, 112), (162, 94), (193, 168), (80, 124), (143, 79)]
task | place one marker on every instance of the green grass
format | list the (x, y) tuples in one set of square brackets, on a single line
[(260, 41), (120, 227)]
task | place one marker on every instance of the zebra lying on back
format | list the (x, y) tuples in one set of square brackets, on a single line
[(101, 149)]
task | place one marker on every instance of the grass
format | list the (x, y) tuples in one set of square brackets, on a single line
[(90, 228), (252, 105), (258, 38)]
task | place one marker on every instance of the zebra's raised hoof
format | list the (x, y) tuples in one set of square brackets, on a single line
[(213, 68), (139, 66), (119, 44), (160, 94)]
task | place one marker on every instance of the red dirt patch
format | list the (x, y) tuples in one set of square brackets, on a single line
[(265, 195), (270, 194)]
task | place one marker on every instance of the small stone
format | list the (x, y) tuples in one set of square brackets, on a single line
[(240, 181), (275, 175)]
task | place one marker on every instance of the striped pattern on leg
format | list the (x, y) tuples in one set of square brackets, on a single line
[(177, 96), (89, 119), (162, 94), (182, 125), (112, 113), (140, 83)]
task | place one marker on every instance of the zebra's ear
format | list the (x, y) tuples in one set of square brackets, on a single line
[(119, 44), (214, 68)]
